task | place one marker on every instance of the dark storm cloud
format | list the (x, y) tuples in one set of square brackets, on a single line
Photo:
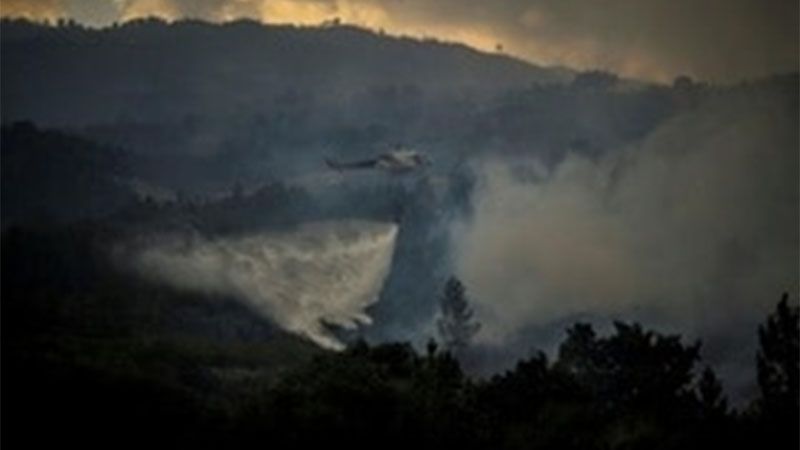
[(657, 39)]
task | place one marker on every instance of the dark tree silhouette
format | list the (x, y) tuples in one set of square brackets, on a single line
[(713, 403), (632, 368), (537, 406), (456, 324), (595, 79), (579, 354), (778, 362)]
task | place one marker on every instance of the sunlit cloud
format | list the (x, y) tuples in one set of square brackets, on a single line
[(315, 12), (134, 9), (42, 10)]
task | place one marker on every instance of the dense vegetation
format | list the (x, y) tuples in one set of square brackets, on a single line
[(96, 358)]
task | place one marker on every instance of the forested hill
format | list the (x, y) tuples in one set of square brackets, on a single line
[(156, 70)]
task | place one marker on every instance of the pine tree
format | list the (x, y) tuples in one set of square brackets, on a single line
[(456, 324)]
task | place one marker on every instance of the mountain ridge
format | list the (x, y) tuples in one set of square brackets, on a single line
[(150, 68)]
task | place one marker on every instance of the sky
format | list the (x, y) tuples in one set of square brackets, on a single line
[(713, 40)]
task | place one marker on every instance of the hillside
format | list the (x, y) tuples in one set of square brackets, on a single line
[(148, 69), (49, 176)]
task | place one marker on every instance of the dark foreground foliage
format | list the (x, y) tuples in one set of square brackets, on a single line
[(96, 359)]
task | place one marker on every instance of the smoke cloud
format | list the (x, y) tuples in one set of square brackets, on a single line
[(318, 274), (694, 229)]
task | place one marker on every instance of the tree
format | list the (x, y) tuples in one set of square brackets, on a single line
[(595, 80), (778, 362), (713, 403), (579, 355), (633, 367), (683, 82), (456, 324)]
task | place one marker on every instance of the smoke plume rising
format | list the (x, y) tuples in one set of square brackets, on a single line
[(695, 228), (317, 274)]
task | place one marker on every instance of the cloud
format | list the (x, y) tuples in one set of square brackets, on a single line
[(694, 229), (166, 9), (36, 10), (657, 39), (712, 39), (720, 40)]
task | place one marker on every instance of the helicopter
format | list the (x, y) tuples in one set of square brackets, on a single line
[(397, 161)]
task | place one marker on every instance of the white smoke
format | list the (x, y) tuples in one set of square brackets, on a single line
[(317, 274), (694, 229)]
